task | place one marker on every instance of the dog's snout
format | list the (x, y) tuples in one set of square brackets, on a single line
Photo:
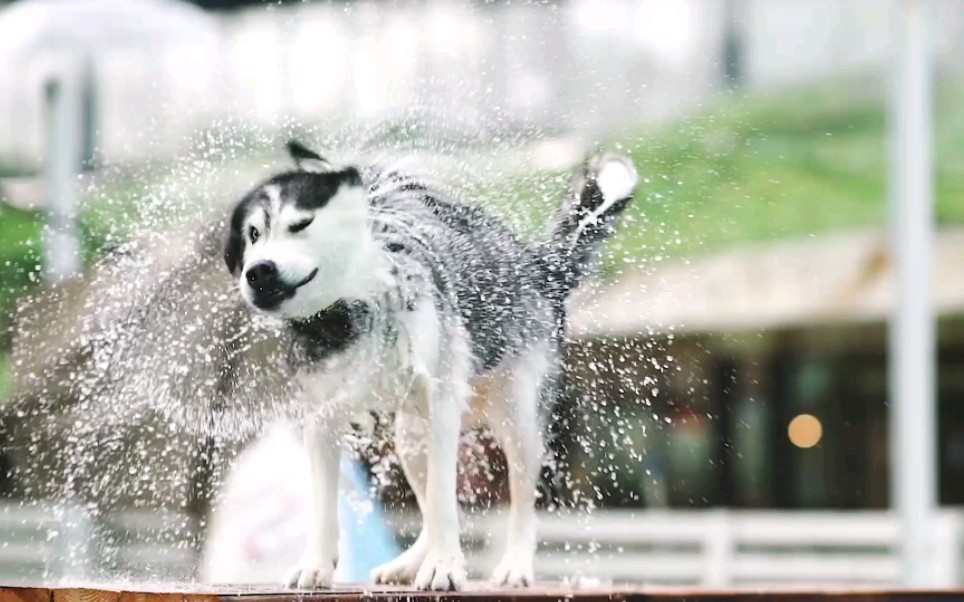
[(266, 287), (262, 275)]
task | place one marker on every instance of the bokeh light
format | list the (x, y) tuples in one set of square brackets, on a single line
[(805, 431)]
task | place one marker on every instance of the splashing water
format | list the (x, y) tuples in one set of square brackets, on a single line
[(136, 387)]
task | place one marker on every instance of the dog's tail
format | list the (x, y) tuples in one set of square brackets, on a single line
[(600, 192)]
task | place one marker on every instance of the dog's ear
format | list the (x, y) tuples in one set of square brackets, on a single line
[(232, 252), (307, 159), (234, 247)]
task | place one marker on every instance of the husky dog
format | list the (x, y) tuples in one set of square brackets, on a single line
[(399, 300)]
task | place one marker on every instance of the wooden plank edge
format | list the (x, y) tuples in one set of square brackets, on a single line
[(477, 593)]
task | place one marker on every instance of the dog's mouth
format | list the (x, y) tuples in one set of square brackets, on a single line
[(271, 298), (307, 279)]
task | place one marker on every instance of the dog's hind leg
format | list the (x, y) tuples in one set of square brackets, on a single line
[(513, 416), (411, 432)]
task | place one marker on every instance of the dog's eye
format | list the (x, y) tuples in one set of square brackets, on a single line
[(253, 234), (299, 226)]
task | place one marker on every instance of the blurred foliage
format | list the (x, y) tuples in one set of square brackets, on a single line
[(768, 166), (755, 167), (4, 380), (21, 235), (238, 4)]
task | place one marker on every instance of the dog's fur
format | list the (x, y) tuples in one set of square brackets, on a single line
[(399, 300)]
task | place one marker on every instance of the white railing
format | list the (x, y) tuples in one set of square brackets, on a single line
[(45, 542), (715, 548), (718, 548)]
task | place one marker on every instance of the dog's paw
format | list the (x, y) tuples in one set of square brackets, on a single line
[(311, 574), (441, 573), (515, 570), (402, 569)]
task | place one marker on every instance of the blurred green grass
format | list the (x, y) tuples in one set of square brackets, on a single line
[(20, 234), (747, 168), (791, 164), (759, 167), (21, 239), (4, 379)]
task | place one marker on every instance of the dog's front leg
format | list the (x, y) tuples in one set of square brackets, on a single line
[(444, 565), (318, 562)]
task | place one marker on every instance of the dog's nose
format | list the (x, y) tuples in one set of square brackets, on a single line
[(262, 275)]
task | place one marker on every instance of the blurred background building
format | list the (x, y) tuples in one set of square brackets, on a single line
[(734, 355)]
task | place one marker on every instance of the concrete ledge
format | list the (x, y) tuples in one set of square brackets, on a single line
[(476, 593)]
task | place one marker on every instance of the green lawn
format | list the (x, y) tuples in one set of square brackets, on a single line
[(4, 381), (755, 168), (20, 235), (789, 165)]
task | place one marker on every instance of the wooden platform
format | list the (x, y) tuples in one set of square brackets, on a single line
[(476, 593)]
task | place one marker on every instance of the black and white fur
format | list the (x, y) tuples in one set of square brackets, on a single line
[(400, 300)]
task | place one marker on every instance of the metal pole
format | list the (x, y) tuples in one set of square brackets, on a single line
[(61, 244), (913, 435), (88, 123), (732, 45)]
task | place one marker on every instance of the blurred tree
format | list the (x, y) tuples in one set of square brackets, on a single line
[(229, 4), (219, 4), (732, 44)]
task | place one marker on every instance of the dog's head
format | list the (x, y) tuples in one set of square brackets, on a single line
[(295, 240)]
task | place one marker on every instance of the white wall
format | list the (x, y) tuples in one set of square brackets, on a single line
[(584, 64), (577, 65)]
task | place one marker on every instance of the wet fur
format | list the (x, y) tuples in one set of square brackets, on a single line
[(418, 302)]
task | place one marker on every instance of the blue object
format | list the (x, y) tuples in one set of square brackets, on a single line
[(370, 541)]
